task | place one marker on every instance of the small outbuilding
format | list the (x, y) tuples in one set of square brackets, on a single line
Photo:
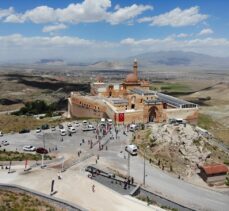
[(213, 173)]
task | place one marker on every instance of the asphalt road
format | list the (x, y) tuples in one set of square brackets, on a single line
[(177, 190)]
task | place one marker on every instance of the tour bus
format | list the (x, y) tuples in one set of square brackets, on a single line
[(132, 149)]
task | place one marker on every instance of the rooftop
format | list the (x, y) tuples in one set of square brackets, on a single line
[(118, 100), (214, 169), (154, 101), (175, 101), (143, 92)]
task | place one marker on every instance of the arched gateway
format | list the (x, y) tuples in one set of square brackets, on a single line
[(153, 111)]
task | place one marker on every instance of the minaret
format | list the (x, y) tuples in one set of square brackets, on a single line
[(135, 68)]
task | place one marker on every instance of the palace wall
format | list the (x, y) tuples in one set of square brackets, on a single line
[(189, 114), (79, 111)]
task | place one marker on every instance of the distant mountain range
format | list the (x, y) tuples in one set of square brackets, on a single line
[(51, 61), (167, 60), (151, 61)]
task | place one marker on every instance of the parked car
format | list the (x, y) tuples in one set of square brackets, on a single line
[(61, 126), (77, 124), (132, 149), (41, 150), (89, 128), (72, 129), (29, 148), (69, 125), (38, 130), (84, 123), (63, 132), (24, 131), (45, 127), (5, 143), (53, 128), (1, 133)]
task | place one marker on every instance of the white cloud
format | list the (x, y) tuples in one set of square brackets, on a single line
[(42, 14), (217, 47), (6, 12), (75, 48), (31, 42), (13, 18), (206, 31), (88, 11), (55, 27), (126, 13), (176, 18)]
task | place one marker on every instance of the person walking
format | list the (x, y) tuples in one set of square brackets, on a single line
[(93, 188), (132, 180)]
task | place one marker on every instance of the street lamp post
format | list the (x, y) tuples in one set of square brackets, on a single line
[(128, 164), (144, 166), (42, 155), (43, 139)]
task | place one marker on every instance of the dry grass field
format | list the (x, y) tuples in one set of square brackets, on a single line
[(215, 112), (11, 123), (16, 201)]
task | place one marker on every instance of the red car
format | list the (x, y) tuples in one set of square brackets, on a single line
[(41, 150)]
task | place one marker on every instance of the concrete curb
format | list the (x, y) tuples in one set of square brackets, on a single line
[(136, 190)]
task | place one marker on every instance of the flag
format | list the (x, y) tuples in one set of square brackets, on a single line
[(121, 117)]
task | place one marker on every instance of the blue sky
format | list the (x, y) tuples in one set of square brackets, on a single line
[(97, 29)]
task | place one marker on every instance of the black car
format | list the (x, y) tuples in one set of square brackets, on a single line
[(24, 131), (45, 127)]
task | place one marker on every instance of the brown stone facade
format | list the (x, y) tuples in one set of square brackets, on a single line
[(130, 102)]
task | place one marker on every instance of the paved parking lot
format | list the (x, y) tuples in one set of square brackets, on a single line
[(68, 145)]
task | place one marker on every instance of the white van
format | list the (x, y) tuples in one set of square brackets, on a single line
[(103, 121), (132, 149), (109, 121), (133, 127), (84, 123)]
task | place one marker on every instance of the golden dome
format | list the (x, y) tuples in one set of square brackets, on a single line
[(131, 78)]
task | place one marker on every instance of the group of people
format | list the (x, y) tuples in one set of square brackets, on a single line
[(128, 181), (53, 149)]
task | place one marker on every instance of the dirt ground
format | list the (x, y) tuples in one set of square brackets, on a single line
[(10, 200), (166, 154), (217, 108), (11, 123)]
